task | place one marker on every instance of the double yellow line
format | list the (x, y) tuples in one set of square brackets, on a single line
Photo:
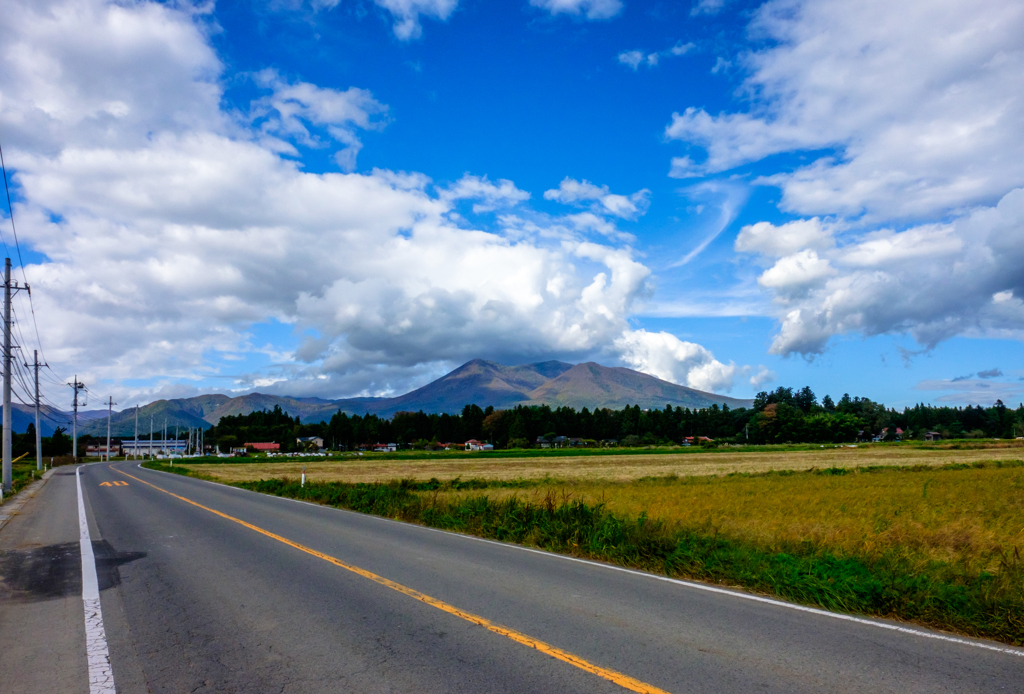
[(624, 681)]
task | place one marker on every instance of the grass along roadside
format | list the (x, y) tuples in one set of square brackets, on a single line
[(939, 546)]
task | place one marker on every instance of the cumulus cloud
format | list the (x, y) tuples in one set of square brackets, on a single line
[(934, 281), (911, 208), (591, 9), (785, 239), (491, 196), (168, 233), (664, 355), (913, 104), (292, 107), (570, 191)]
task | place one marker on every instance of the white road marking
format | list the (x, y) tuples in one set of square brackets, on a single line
[(688, 584), (101, 677)]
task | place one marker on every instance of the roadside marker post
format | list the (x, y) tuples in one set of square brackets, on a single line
[(303, 478)]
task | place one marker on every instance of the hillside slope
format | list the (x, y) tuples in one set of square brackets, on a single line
[(592, 386), (479, 382)]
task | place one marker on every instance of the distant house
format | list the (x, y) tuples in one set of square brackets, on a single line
[(385, 447), (885, 433), (553, 442), (264, 446), (94, 451), (310, 440), (693, 440), (932, 436), (474, 445)]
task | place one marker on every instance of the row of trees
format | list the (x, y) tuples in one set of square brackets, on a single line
[(56, 445), (780, 416)]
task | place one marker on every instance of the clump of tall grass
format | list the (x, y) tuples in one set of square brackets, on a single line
[(891, 582)]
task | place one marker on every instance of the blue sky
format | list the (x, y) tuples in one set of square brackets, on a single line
[(343, 198)]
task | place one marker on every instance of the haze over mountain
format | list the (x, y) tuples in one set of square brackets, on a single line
[(478, 382)]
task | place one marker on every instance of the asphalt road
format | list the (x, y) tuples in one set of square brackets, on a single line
[(262, 594)]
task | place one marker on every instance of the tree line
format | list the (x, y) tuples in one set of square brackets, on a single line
[(780, 416)]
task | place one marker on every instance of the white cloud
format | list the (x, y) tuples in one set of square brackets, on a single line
[(664, 355), (778, 241), (290, 108), (933, 281), (913, 212), (571, 191), (763, 375), (170, 232), (635, 58), (722, 201), (707, 7), (917, 99), (795, 274), (591, 9), (491, 196), (631, 58), (407, 14)]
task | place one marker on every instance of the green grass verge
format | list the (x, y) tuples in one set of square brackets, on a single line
[(945, 596)]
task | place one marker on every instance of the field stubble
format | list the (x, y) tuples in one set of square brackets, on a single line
[(603, 467)]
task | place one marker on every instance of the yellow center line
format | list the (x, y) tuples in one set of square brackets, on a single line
[(624, 681)]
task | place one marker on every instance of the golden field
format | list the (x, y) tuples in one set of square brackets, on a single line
[(605, 467), (973, 516)]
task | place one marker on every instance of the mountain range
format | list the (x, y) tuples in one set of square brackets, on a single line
[(478, 382)]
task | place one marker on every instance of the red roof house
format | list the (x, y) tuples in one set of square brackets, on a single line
[(264, 446)]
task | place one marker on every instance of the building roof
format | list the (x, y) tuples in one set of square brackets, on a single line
[(264, 446)]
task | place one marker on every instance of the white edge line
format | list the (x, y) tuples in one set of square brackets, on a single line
[(688, 584), (101, 676)]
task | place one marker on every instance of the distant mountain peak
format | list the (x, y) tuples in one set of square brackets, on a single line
[(477, 382)]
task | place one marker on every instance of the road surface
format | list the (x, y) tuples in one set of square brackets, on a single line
[(207, 588)]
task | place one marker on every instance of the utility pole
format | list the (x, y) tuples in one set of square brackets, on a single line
[(7, 378), (110, 412), (76, 386), (39, 438), (9, 288), (150, 437), (135, 451), (164, 441)]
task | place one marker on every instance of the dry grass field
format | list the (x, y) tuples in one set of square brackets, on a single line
[(971, 517), (605, 467)]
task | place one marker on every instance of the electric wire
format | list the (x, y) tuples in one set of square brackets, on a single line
[(21, 262)]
